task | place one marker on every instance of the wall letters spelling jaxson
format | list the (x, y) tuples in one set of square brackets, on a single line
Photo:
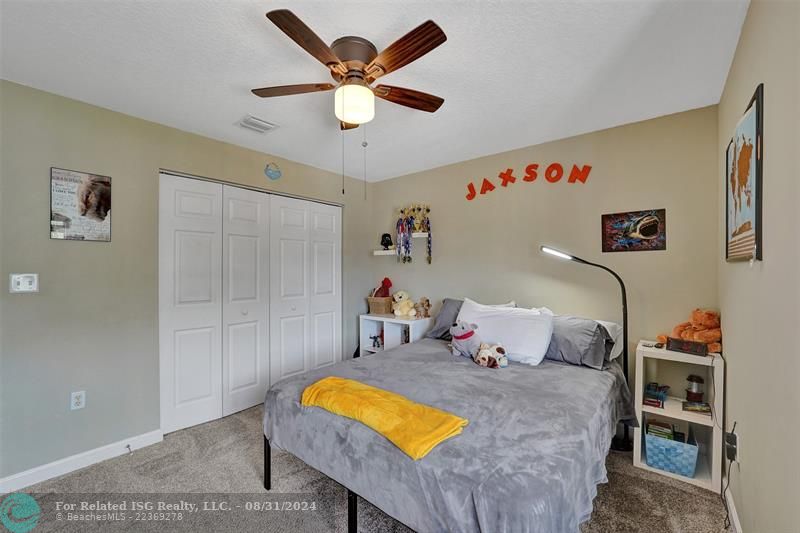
[(553, 174)]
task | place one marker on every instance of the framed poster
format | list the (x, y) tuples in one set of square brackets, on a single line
[(80, 206), (743, 183), (635, 231)]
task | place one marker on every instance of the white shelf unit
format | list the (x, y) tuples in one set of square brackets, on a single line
[(707, 429), (396, 331)]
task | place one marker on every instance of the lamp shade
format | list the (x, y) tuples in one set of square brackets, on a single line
[(354, 103), (554, 252)]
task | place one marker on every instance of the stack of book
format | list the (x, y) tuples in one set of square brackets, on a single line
[(697, 407), (653, 402), (665, 431), (660, 429), (655, 395)]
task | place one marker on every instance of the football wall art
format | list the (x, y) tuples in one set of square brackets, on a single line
[(80, 206), (635, 231)]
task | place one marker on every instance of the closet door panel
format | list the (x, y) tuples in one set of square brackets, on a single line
[(289, 285), (245, 309), (324, 338), (190, 301), (292, 265), (325, 298), (292, 351)]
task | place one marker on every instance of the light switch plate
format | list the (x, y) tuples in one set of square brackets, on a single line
[(23, 283)]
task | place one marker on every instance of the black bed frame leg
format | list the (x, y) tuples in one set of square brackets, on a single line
[(267, 464), (352, 512)]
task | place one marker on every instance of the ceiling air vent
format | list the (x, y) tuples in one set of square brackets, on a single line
[(256, 124)]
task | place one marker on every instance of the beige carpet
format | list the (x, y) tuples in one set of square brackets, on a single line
[(225, 456)]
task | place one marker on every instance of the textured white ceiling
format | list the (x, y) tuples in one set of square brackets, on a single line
[(513, 74)]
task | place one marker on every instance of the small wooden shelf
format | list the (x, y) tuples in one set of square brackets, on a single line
[(415, 235), (673, 408), (678, 357)]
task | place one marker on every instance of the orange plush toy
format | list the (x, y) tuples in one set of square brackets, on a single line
[(704, 326)]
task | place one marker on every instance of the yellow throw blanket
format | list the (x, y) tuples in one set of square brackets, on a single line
[(414, 428)]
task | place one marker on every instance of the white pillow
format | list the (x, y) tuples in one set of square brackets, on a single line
[(524, 333), (512, 303)]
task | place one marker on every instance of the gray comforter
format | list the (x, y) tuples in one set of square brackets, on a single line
[(529, 460)]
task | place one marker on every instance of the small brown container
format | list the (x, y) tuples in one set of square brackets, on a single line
[(379, 306)]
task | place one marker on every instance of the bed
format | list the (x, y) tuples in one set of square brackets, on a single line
[(529, 460)]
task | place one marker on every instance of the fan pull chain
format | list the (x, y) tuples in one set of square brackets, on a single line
[(364, 145), (342, 162), (342, 132)]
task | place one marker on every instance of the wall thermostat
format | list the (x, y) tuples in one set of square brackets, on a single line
[(23, 283)]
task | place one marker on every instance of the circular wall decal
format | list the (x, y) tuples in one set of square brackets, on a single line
[(272, 171)]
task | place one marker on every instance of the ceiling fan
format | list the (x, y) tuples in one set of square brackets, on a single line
[(354, 64)]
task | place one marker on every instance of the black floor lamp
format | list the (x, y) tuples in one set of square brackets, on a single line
[(619, 444)]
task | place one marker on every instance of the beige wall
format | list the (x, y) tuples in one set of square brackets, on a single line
[(488, 249), (94, 324), (760, 303)]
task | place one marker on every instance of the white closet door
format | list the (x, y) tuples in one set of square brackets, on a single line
[(245, 297), (289, 291), (190, 301), (305, 286), (325, 304)]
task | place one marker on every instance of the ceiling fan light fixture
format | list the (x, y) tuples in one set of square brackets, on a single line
[(354, 102)]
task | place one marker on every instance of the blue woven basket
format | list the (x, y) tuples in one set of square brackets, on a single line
[(671, 455)]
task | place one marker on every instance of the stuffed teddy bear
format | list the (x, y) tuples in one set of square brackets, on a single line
[(423, 308), (703, 326), (465, 341), (403, 306), (491, 356)]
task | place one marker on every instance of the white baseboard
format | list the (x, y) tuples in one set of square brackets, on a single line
[(734, 516), (69, 464)]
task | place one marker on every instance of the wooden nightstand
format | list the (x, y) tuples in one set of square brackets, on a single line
[(651, 363), (396, 331)]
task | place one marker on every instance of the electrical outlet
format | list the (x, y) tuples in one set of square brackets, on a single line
[(77, 400), (733, 447)]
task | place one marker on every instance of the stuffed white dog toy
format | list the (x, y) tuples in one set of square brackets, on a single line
[(465, 341), (491, 356)]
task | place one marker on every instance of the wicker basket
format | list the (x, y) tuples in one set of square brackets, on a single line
[(670, 455), (380, 306)]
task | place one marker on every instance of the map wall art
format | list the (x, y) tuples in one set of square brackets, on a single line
[(743, 162)]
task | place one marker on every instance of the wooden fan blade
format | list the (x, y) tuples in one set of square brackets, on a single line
[(306, 38), (406, 49), (409, 98), (285, 90), (347, 125)]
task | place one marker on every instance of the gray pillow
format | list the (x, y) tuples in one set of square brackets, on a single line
[(579, 341), (447, 315)]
